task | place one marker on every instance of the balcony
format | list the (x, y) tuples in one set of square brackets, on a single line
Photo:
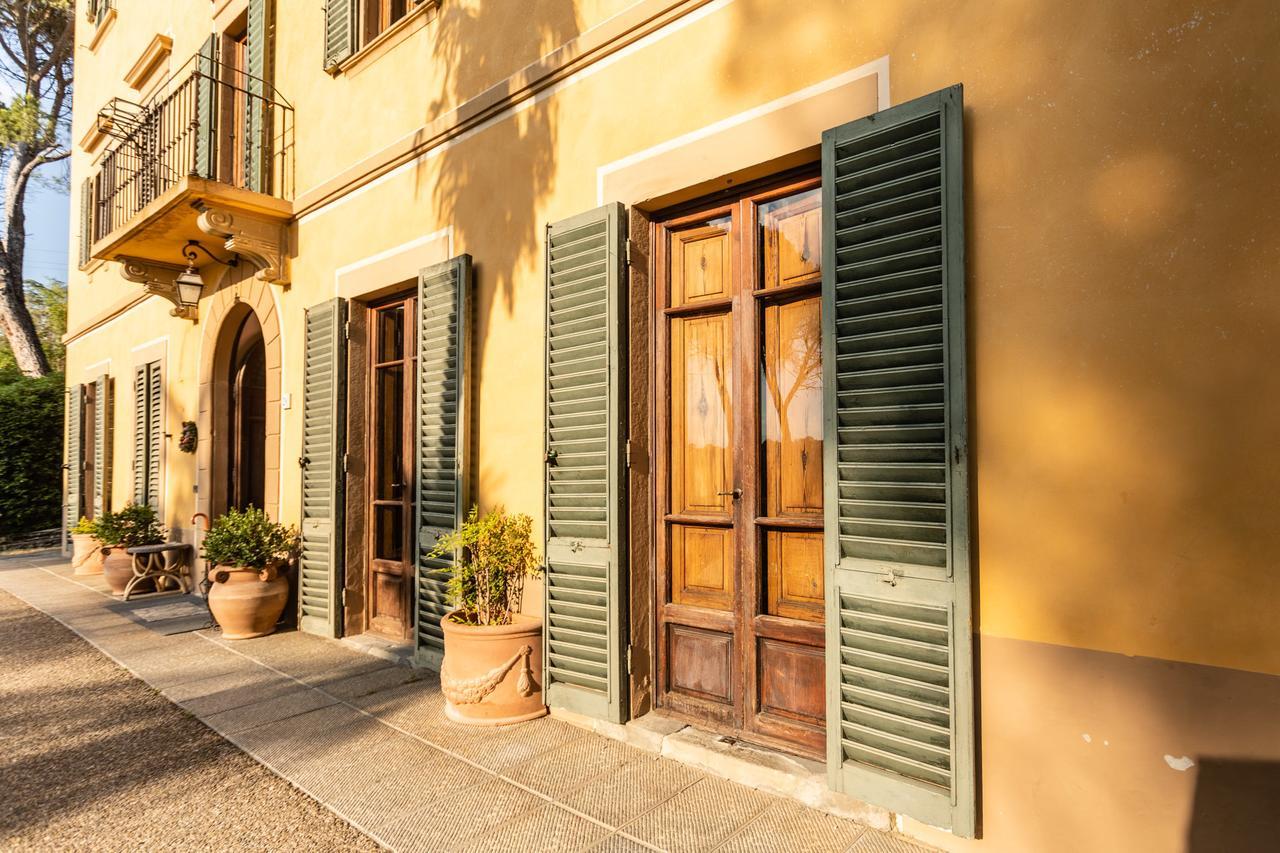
[(209, 156)]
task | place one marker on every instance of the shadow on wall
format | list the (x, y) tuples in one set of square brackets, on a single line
[(492, 189), (1236, 806)]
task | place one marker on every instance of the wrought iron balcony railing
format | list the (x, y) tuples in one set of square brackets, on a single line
[(211, 121)]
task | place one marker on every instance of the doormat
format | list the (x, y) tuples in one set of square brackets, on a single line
[(170, 616)]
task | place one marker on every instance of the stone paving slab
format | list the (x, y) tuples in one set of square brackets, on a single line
[(369, 739)]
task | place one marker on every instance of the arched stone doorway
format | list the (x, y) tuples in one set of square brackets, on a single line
[(239, 423)]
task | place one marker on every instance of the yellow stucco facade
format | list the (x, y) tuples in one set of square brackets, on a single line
[(1121, 172)]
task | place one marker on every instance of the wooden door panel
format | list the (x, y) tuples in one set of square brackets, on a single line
[(792, 401), (702, 566), (792, 681), (701, 264), (701, 415), (793, 585), (701, 663)]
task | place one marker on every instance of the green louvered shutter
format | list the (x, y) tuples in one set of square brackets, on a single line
[(339, 31), (208, 71), (155, 433), (442, 499), (323, 449), (75, 459), (102, 434), (86, 220), (585, 518), (899, 625), (257, 132), (140, 434)]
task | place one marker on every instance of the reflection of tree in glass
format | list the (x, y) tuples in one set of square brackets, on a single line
[(793, 369)]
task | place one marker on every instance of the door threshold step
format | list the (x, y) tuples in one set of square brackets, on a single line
[(381, 647), (777, 773)]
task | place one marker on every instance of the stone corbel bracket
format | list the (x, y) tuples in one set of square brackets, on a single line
[(158, 279), (257, 238)]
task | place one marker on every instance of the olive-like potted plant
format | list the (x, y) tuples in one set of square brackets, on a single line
[(492, 665), (131, 526), (86, 550), (248, 552)]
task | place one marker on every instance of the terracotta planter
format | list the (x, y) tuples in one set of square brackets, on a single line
[(491, 675), (117, 568), (247, 603), (86, 554)]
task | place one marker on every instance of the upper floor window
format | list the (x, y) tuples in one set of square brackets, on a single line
[(377, 16)]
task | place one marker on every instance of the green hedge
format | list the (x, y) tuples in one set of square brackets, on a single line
[(31, 412)]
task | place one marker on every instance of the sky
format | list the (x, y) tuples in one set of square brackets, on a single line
[(48, 232)]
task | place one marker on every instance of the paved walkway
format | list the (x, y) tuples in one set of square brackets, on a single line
[(369, 740)]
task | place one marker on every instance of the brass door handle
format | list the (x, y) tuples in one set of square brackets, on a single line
[(736, 493)]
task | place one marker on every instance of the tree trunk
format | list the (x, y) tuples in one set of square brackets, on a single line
[(15, 319)]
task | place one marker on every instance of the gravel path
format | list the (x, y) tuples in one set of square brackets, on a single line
[(93, 759)]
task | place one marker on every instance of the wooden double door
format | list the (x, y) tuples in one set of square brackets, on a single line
[(739, 448), (389, 467)]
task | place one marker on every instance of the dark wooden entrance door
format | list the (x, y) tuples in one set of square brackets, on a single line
[(247, 450), (393, 366), (740, 591)]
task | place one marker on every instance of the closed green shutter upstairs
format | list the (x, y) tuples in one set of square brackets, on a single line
[(257, 118), (339, 31), (75, 459), (899, 650), (323, 438), (140, 434), (86, 220), (443, 322), (208, 70), (155, 433), (585, 520), (102, 435)]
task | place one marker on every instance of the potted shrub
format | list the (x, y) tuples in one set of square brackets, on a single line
[(492, 652), (133, 525), (247, 550), (86, 550)]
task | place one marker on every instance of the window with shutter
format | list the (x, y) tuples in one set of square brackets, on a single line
[(75, 461), (257, 152), (208, 70), (585, 517), (155, 434), (442, 496), (339, 31), (86, 220), (102, 434), (899, 641), (140, 434), (323, 446)]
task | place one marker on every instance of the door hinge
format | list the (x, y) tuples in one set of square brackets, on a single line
[(628, 658), (628, 452), (627, 250), (346, 330), (345, 458), (343, 597)]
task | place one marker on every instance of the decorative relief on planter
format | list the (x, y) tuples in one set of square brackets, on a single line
[(471, 691)]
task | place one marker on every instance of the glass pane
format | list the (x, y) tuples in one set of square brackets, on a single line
[(388, 534), (791, 240), (701, 414), (791, 408), (391, 334), (389, 431)]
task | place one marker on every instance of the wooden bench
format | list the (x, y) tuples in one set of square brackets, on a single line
[(163, 564)]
